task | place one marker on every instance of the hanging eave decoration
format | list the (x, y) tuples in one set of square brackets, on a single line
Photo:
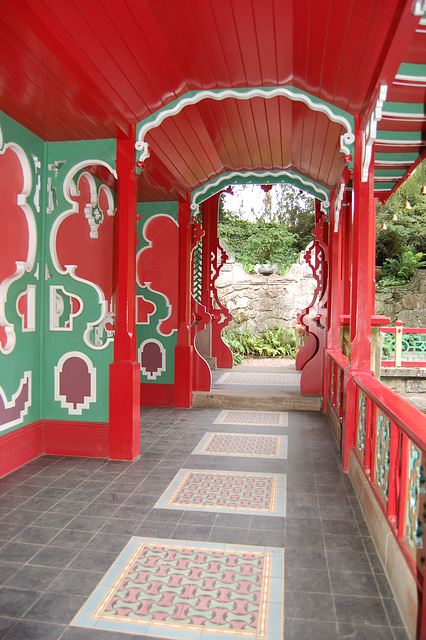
[(261, 177), (346, 142)]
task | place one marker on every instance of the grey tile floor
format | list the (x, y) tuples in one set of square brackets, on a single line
[(63, 521)]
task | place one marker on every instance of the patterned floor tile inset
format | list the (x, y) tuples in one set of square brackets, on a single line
[(261, 379), (265, 418), (175, 589), (242, 444), (217, 491)]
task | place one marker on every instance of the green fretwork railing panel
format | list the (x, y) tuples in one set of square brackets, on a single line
[(382, 455), (198, 263), (362, 424), (415, 509), (413, 347), (388, 347), (338, 390)]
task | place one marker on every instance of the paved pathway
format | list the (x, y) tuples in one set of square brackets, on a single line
[(229, 525)]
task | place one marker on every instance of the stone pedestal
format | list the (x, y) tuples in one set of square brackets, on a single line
[(203, 344), (376, 341)]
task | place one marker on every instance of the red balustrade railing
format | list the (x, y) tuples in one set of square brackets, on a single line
[(388, 437), (390, 444), (339, 365)]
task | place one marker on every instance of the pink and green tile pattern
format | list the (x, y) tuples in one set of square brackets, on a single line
[(242, 444), (190, 590), (218, 491), (261, 379), (261, 418)]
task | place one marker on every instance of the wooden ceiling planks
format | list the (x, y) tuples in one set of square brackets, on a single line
[(80, 70)]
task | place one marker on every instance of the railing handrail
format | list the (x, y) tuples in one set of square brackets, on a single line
[(339, 358), (407, 330), (400, 411)]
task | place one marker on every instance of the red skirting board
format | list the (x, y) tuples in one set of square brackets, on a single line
[(60, 438), (19, 447), (157, 395), (63, 438)]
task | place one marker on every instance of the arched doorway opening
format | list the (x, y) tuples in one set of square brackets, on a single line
[(204, 340)]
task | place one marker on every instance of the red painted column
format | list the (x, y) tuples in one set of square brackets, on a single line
[(184, 348), (335, 283), (363, 268), (210, 215), (362, 291), (124, 381), (346, 257), (219, 349), (334, 298)]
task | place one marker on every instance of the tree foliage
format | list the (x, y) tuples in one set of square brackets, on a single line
[(401, 269), (277, 341), (408, 231), (294, 209), (281, 231), (258, 243)]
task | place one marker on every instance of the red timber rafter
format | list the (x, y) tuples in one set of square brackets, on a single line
[(314, 318)]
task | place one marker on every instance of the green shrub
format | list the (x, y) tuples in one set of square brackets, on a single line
[(277, 341), (264, 242), (401, 269)]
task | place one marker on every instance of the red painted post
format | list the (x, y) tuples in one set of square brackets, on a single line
[(369, 422), (363, 267), (334, 302), (184, 348), (335, 283), (124, 373), (219, 349), (346, 214), (350, 422), (362, 281), (206, 261)]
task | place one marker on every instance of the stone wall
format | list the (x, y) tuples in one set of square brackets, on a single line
[(408, 382), (256, 300), (407, 303)]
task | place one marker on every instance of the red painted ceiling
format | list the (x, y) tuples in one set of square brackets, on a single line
[(84, 69)]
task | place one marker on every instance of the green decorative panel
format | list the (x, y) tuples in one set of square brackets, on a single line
[(382, 454), (157, 271), (198, 262), (22, 163), (413, 348), (79, 280), (415, 509), (338, 390), (362, 424)]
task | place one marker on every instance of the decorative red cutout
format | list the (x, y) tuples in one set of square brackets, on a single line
[(86, 237), (158, 265)]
